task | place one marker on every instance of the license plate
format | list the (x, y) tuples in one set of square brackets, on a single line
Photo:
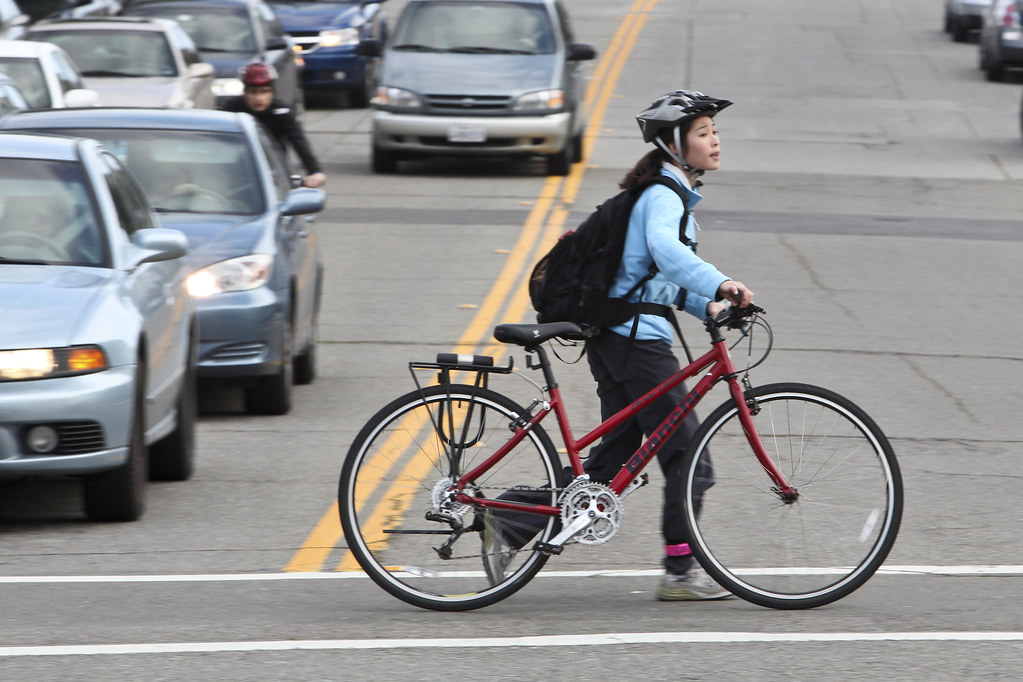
[(466, 133)]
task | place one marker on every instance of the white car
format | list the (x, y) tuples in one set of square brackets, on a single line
[(134, 61), (45, 74)]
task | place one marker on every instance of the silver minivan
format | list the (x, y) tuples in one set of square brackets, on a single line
[(479, 78)]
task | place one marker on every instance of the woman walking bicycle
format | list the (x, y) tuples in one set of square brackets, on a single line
[(798, 506), (629, 359)]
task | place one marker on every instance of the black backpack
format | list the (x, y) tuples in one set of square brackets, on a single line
[(571, 282)]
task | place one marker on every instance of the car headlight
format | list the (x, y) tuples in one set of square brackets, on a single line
[(336, 37), (541, 100), (227, 87), (236, 274), (47, 363), (397, 98)]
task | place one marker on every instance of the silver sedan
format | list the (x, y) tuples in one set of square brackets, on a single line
[(98, 341)]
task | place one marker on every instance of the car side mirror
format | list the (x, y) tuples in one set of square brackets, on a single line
[(370, 47), (200, 70), (303, 200), (155, 244), (581, 52), (81, 97), (277, 43)]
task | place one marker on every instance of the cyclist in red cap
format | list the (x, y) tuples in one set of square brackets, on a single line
[(278, 118)]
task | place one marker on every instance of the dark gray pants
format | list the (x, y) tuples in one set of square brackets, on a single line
[(625, 371)]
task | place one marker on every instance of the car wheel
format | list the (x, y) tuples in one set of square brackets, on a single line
[(559, 163), (358, 98), (120, 494), (272, 394), (995, 71), (577, 147), (305, 362), (960, 32), (172, 458), (384, 161)]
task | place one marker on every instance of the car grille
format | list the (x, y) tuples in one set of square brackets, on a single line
[(239, 352), (76, 438), (489, 143), (468, 103)]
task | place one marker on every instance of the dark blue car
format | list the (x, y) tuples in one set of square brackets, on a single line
[(328, 32)]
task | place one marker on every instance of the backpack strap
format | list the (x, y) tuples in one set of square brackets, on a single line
[(643, 307)]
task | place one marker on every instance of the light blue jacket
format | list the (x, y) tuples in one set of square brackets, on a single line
[(653, 238)]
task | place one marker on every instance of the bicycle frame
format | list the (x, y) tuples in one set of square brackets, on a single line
[(717, 364)]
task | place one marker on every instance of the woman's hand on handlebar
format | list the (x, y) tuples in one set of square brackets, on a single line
[(737, 293)]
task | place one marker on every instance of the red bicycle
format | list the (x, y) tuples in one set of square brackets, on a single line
[(805, 504)]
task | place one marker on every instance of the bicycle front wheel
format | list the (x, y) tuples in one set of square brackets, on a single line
[(828, 541), (400, 521)]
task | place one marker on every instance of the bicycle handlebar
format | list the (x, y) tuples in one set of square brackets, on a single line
[(734, 317)]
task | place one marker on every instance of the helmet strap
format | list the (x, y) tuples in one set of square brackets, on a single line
[(688, 168)]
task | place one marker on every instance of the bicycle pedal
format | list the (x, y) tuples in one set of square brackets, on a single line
[(548, 548)]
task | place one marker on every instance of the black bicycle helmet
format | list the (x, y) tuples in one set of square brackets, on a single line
[(669, 111)]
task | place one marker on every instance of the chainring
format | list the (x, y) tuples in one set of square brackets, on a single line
[(599, 503)]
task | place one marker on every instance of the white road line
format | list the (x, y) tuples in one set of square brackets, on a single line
[(602, 639), (232, 577)]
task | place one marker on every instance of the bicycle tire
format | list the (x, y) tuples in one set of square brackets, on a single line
[(828, 542), (396, 472)]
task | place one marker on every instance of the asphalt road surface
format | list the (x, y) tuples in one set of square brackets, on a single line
[(869, 193)]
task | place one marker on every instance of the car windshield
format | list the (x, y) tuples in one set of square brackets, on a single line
[(115, 53), (46, 215), (28, 74), (492, 27), (212, 29), (186, 170)]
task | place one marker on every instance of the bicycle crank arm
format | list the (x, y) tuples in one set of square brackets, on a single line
[(636, 484), (557, 543)]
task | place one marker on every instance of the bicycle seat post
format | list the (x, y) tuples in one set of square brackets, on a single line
[(543, 364)]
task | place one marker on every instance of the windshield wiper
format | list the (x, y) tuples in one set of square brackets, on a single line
[(416, 47), (116, 74), (25, 261), (470, 49)]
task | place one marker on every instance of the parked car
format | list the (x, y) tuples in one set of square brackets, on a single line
[(97, 345), (11, 97), (963, 17), (45, 74), (479, 77), (12, 20), (256, 275), (327, 32), (1001, 39), (230, 34), (133, 61)]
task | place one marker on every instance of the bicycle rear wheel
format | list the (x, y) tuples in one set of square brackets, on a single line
[(826, 543), (404, 530)]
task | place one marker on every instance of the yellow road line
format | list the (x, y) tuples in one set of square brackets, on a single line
[(509, 291)]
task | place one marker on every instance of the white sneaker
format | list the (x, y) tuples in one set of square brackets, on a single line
[(497, 554), (694, 585)]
